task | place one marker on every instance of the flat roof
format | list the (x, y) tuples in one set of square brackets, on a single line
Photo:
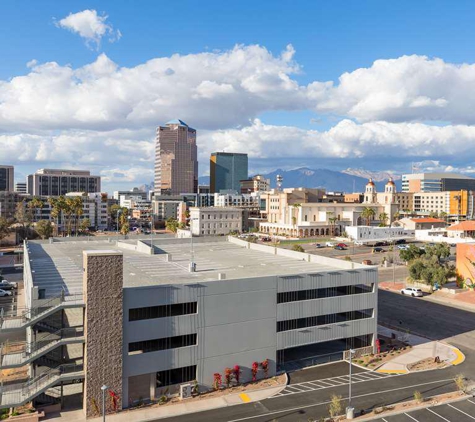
[(59, 266)]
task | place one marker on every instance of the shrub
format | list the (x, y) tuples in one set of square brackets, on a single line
[(418, 397), (460, 383), (335, 407), (298, 248)]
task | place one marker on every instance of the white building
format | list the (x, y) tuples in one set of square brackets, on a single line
[(236, 200), (215, 221), (371, 234)]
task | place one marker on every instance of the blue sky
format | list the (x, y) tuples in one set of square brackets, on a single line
[(328, 38)]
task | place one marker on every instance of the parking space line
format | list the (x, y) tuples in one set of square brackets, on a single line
[(292, 387), (473, 402), (461, 411), (411, 417), (437, 415), (316, 384)]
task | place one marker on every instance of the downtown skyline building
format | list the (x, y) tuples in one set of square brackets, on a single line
[(6, 178), (227, 169), (176, 159), (56, 182)]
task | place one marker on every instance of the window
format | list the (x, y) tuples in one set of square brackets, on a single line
[(295, 296), (295, 324), (163, 311), (158, 344), (176, 376)]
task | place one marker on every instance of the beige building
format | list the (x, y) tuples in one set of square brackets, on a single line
[(176, 161), (463, 230), (421, 223), (215, 221), (257, 183), (56, 182)]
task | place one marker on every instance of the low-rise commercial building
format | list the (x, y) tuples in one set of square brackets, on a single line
[(463, 230), (215, 221), (132, 316), (371, 234), (421, 223)]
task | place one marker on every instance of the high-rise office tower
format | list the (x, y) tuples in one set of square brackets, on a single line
[(6, 178), (227, 169), (176, 159)]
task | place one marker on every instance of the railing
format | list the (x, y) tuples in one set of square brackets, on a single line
[(294, 365), (17, 394), (22, 317), (28, 351)]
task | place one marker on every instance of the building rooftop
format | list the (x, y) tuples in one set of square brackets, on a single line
[(465, 226), (59, 266), (177, 122), (427, 220)]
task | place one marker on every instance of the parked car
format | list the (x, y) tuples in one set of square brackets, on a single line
[(381, 244), (357, 243), (318, 245), (343, 245), (412, 291), (400, 241), (5, 285), (403, 247), (339, 248), (379, 250), (4, 293), (330, 244)]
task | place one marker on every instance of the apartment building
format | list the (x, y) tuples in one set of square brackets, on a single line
[(7, 174), (56, 182), (21, 187), (215, 221), (132, 317)]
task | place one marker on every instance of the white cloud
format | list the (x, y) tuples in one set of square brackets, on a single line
[(90, 26)]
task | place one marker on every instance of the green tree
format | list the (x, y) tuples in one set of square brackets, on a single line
[(368, 214), (433, 214), (84, 225), (439, 250), (443, 216), (23, 217), (411, 253), (428, 270), (383, 218), (171, 224), (4, 228), (44, 228), (124, 221), (35, 205), (397, 215)]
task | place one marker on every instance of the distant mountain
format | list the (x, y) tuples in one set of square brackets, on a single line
[(377, 176), (332, 181)]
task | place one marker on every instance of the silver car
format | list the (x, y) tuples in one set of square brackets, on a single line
[(4, 293), (412, 291)]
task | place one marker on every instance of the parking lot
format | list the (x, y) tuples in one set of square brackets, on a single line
[(462, 411)]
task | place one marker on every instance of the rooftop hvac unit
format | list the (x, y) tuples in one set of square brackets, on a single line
[(186, 391)]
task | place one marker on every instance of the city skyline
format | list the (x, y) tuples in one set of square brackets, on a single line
[(287, 98)]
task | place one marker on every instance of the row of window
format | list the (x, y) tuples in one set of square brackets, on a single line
[(298, 295), (295, 324), (163, 311), (158, 344)]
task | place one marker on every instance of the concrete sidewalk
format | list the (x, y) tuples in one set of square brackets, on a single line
[(421, 349), (177, 409)]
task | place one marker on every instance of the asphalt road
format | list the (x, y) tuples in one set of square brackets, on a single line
[(419, 316)]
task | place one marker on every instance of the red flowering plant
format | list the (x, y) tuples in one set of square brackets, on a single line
[(237, 373), (254, 370), (217, 381), (265, 367), (227, 376)]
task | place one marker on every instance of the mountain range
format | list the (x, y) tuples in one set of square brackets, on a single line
[(349, 180)]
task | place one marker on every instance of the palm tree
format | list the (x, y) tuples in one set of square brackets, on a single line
[(34, 205), (78, 212), (368, 214), (68, 211), (295, 207), (397, 215), (383, 218)]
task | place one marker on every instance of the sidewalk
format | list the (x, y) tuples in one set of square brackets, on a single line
[(421, 349), (182, 408)]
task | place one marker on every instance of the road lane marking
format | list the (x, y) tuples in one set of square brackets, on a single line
[(473, 402), (437, 415), (461, 411), (292, 409), (411, 417), (460, 357)]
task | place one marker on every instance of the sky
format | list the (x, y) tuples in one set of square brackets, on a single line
[(322, 84)]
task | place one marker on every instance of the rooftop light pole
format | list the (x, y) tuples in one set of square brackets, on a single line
[(192, 254), (349, 409)]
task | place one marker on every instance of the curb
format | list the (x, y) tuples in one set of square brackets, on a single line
[(400, 412)]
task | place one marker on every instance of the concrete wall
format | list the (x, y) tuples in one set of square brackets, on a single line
[(103, 293)]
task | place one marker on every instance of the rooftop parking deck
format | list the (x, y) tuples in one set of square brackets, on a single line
[(59, 266)]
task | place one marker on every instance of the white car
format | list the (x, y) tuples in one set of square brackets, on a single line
[(403, 247), (412, 291), (5, 293), (14, 284), (330, 244)]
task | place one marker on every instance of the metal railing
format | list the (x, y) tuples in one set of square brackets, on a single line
[(19, 393), (22, 353), (26, 316)]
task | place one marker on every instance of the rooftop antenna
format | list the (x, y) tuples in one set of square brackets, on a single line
[(279, 180)]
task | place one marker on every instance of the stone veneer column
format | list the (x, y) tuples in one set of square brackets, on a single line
[(102, 288)]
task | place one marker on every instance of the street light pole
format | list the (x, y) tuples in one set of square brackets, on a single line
[(118, 213), (104, 389), (349, 409)]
